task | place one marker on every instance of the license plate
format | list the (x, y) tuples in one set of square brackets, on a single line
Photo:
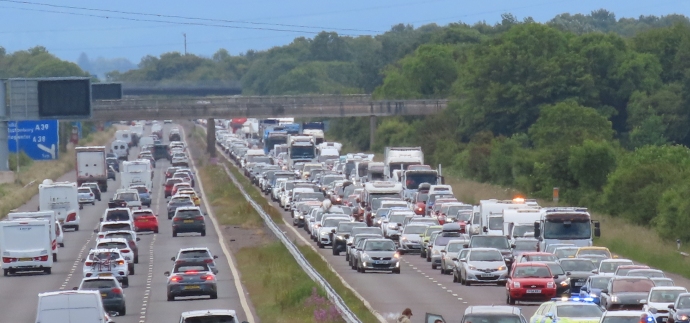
[(143, 220), (534, 291), (105, 274), (664, 319), (26, 259), (192, 287), (104, 295), (579, 283), (381, 262), (188, 221), (487, 275)]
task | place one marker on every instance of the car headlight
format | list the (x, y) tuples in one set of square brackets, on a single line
[(365, 256), (301, 217), (593, 295), (550, 285), (435, 252), (682, 317), (614, 298), (340, 237), (470, 267), (565, 282), (404, 239), (516, 284), (324, 233), (501, 268)]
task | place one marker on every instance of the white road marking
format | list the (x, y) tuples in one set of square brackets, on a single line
[(76, 263), (221, 241)]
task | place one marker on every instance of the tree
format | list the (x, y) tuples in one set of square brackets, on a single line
[(567, 124)]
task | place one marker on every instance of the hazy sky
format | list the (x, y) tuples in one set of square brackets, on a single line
[(256, 23)]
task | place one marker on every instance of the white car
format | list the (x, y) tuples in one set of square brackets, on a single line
[(106, 262), (123, 246), (661, 297), (328, 224), (85, 196), (180, 159), (131, 197), (228, 316), (607, 267)]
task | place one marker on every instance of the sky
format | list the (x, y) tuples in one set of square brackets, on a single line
[(239, 26)]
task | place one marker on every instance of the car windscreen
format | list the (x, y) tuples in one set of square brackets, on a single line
[(365, 229), (380, 246), (565, 252), (443, 240), (307, 196), (347, 226), (542, 258), (646, 273), (664, 296), (683, 302), (488, 255), (397, 218), (330, 223), (556, 269), (216, 318), (611, 266), (632, 285), (491, 318), (414, 229), (95, 284), (490, 242), (589, 310), (577, 265), (454, 247), (600, 282), (599, 252), (531, 272)]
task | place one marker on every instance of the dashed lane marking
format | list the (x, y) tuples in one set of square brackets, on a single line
[(76, 263), (149, 275)]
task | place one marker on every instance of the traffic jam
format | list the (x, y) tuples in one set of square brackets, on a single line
[(372, 212), (30, 241)]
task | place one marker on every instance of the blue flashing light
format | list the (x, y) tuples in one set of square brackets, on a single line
[(574, 299)]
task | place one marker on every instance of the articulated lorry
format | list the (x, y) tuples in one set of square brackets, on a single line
[(301, 149)]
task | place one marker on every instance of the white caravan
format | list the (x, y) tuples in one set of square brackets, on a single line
[(25, 245)]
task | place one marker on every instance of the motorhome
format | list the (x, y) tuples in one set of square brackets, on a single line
[(61, 197), (492, 212), (401, 158)]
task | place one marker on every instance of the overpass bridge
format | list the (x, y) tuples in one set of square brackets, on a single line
[(227, 107)]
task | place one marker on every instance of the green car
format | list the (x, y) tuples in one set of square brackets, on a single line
[(425, 238)]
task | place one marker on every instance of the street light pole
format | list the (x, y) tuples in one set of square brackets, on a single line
[(185, 43)]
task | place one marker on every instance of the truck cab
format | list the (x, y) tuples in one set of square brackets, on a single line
[(572, 225)]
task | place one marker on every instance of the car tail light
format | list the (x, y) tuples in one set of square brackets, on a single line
[(88, 274), (207, 277), (199, 218), (88, 263), (41, 258), (8, 260), (116, 291), (550, 285), (177, 219), (208, 261), (53, 244), (125, 250), (91, 194), (176, 278), (71, 217), (120, 262)]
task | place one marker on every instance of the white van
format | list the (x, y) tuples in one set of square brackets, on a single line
[(120, 149), (74, 306), (435, 189), (43, 215), (124, 135), (61, 197), (25, 245)]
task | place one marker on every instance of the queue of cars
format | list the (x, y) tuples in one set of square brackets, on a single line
[(374, 225)]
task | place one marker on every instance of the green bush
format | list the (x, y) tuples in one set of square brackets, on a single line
[(24, 161), (672, 220)]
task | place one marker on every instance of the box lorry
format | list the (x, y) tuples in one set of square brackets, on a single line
[(49, 216), (25, 245), (61, 197), (395, 158), (91, 166)]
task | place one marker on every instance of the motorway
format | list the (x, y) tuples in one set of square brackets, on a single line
[(146, 297), (418, 287)]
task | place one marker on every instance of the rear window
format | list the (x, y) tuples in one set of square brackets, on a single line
[(119, 235), (117, 216), (210, 319), (98, 284), (142, 189), (140, 214), (194, 254), (127, 197), (187, 213), (115, 227), (112, 245), (104, 256), (84, 190), (186, 267)]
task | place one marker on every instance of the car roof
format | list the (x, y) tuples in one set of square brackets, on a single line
[(118, 209), (194, 249), (143, 211), (379, 239), (115, 222), (104, 250), (102, 240), (209, 312), (615, 260), (484, 249), (188, 208), (131, 232), (669, 288), (531, 264), (645, 270), (99, 278), (629, 277), (537, 253), (481, 309)]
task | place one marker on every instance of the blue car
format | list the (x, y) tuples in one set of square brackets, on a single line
[(593, 286), (144, 194)]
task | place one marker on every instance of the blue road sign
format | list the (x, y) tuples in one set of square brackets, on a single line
[(37, 139)]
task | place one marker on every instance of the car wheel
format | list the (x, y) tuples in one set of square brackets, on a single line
[(76, 228), (347, 257), (428, 257), (54, 257), (136, 259), (455, 278), (335, 251), (422, 254), (174, 234), (203, 233), (122, 312), (5, 272), (214, 296), (171, 298), (318, 243), (155, 230), (125, 282), (131, 271), (48, 270), (396, 271), (93, 203), (433, 266)]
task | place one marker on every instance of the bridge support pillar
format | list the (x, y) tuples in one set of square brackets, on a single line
[(211, 137), (372, 132)]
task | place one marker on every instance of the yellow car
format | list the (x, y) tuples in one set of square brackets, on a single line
[(192, 195), (598, 251)]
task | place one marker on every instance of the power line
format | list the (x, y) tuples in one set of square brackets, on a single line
[(78, 29), (183, 17), (170, 22)]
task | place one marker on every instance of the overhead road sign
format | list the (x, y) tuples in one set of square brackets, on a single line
[(37, 139), (47, 98), (106, 91)]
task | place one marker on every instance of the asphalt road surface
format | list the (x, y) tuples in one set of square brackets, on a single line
[(146, 296)]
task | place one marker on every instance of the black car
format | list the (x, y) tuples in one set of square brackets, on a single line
[(112, 161), (188, 219), (112, 174), (113, 297), (160, 151), (679, 311), (95, 189)]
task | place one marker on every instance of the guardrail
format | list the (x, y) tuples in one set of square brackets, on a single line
[(332, 295)]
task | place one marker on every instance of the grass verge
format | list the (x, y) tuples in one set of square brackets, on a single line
[(634, 242), (14, 195), (227, 201)]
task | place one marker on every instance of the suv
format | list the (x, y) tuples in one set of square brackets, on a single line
[(195, 255), (111, 292), (188, 219), (228, 316), (492, 313)]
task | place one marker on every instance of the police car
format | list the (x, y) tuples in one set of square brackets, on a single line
[(568, 310)]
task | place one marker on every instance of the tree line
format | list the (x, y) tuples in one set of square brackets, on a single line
[(592, 104)]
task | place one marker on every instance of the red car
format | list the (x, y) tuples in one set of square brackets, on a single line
[(530, 281), (535, 256), (145, 220), (169, 185)]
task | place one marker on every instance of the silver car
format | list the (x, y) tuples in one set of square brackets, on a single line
[(451, 251), (191, 279), (483, 265), (410, 239), (379, 255)]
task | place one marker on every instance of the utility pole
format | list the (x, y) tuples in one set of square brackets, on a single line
[(185, 43)]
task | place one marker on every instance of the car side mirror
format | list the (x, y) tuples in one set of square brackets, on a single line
[(568, 273), (671, 306), (555, 276), (215, 257), (466, 245), (138, 239), (454, 259), (167, 273), (485, 229), (549, 315), (75, 288), (512, 246), (333, 231), (595, 271), (463, 259), (643, 301), (605, 291)]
